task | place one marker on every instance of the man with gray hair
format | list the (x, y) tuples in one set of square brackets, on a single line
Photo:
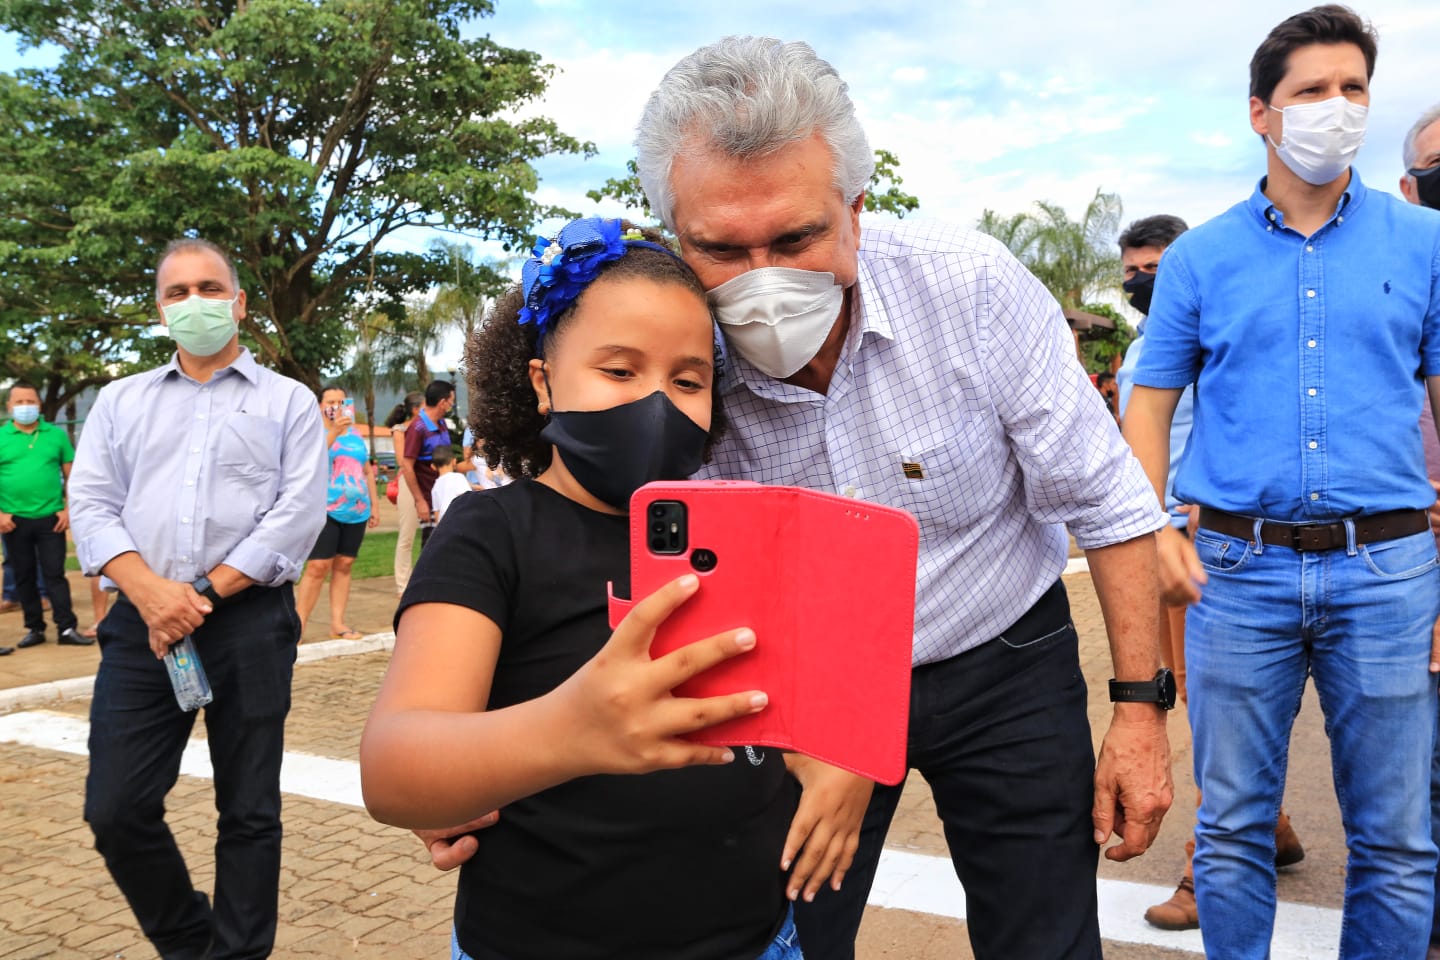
[(1421, 153), (1421, 185), (922, 367)]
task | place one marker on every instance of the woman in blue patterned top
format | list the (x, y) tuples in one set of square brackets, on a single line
[(349, 509)]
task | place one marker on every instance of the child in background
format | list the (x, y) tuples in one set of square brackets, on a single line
[(449, 484)]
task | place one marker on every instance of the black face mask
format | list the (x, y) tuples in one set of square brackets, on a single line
[(612, 453), (1140, 287), (1427, 185)]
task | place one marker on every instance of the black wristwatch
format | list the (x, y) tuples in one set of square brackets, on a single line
[(206, 589), (1160, 691)]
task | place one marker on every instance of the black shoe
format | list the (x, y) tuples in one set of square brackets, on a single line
[(32, 639), (72, 638), (6, 651)]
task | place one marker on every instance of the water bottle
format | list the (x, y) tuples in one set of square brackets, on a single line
[(187, 676)]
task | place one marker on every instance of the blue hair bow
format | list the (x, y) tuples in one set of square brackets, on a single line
[(559, 270)]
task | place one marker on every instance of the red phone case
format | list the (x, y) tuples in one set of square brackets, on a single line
[(828, 585)]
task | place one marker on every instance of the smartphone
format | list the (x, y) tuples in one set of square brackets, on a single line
[(828, 585), (347, 409)]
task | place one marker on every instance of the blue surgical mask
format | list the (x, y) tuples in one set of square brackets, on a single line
[(26, 413), (199, 326)]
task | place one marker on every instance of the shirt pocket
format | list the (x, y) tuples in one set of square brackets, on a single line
[(247, 454), (941, 480)]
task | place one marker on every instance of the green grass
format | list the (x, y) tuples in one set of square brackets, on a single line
[(376, 559), (377, 555)]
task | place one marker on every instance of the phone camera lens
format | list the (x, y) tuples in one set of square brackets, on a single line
[(656, 510), (657, 544)]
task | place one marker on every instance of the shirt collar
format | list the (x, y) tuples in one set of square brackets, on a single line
[(425, 419), (1268, 214), (244, 365)]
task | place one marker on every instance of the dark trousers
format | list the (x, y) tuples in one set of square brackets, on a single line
[(36, 551), (137, 734), (1001, 734)]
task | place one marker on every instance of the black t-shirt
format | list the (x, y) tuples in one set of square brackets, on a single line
[(677, 864)]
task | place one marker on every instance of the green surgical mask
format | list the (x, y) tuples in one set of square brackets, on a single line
[(201, 327)]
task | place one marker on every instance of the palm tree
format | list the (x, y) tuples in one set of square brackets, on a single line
[(1075, 259)]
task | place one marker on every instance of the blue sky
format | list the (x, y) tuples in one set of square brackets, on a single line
[(987, 104), (991, 104)]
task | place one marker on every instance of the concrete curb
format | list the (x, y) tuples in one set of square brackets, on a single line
[(79, 688)]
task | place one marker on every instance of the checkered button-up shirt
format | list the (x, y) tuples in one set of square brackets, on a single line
[(957, 397)]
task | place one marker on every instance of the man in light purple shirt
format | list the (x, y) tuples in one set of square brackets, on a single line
[(197, 491)]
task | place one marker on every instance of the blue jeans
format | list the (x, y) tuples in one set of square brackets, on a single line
[(785, 946), (1358, 620)]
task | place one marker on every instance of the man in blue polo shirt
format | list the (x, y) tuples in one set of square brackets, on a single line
[(1308, 318), (426, 432)]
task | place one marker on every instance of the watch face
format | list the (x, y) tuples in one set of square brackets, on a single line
[(1165, 684)]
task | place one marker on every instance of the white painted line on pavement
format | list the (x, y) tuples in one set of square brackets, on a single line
[(78, 688), (904, 881)]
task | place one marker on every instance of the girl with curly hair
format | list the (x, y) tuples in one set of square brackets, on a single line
[(508, 691)]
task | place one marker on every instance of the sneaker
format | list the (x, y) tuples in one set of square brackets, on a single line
[(6, 651), (32, 639), (1287, 844), (73, 638), (1177, 913)]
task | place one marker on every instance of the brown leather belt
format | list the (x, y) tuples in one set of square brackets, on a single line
[(1318, 536)]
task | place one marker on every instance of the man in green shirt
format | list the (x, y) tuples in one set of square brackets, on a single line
[(34, 465)]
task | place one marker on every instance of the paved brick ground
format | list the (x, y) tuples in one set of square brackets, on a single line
[(354, 889)]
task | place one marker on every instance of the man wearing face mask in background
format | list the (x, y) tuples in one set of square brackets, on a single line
[(202, 517), (922, 367), (34, 466), (1141, 246), (1421, 185), (1308, 318)]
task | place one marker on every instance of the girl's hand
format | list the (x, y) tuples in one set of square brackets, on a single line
[(621, 713), (825, 831)]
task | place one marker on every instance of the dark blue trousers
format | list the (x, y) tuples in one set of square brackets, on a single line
[(1001, 734), (37, 555), (137, 735)]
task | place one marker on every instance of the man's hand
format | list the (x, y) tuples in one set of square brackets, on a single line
[(453, 846), (62, 521), (1132, 780), (422, 511), (826, 828), (7, 522), (1181, 574), (170, 609), (1435, 648)]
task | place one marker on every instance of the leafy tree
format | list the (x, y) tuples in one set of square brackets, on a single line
[(301, 134), (891, 199), (1099, 346), (1075, 259)]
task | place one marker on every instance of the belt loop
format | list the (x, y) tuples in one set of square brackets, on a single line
[(1350, 550), (1255, 541)]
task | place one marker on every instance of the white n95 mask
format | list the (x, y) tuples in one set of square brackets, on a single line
[(778, 317), (1320, 140)]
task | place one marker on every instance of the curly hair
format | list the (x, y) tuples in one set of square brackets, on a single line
[(503, 414)]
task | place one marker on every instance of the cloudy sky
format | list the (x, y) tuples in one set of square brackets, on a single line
[(987, 104), (990, 104)]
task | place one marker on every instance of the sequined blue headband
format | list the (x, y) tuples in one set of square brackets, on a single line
[(559, 270)]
